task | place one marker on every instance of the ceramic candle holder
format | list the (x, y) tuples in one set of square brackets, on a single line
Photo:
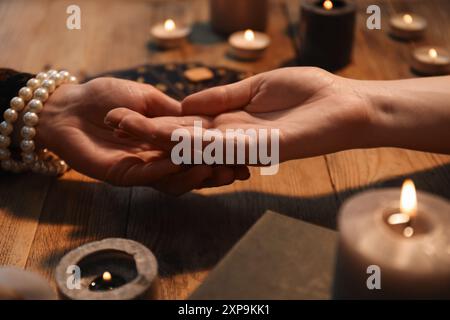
[(111, 269)]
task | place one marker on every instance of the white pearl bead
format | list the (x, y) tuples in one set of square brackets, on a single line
[(10, 115), (4, 154), (57, 78), (25, 93), (30, 119), (28, 158), (65, 75), (42, 76), (49, 85), (41, 94), (6, 164), (33, 83), (52, 169), (28, 132), (27, 145), (73, 80), (17, 103), (51, 72), (36, 167), (6, 128), (5, 141), (35, 105)]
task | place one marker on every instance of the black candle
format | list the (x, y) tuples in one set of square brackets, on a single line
[(106, 281), (326, 33)]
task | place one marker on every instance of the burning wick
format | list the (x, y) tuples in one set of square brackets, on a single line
[(249, 35), (106, 282), (408, 19), (328, 4), (169, 25), (433, 53), (408, 209)]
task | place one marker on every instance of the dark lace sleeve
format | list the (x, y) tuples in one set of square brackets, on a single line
[(10, 83)]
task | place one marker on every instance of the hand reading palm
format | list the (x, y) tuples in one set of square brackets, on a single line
[(309, 106), (72, 125)]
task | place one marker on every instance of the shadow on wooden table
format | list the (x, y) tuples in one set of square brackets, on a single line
[(192, 232)]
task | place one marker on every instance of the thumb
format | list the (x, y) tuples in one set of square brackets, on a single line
[(220, 99)]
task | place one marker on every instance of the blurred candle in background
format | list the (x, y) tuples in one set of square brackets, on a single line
[(407, 26), (431, 61)]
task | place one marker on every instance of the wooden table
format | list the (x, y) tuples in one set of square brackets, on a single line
[(42, 218)]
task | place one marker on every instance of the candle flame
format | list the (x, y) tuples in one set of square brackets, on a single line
[(107, 276), (408, 199), (169, 25), (328, 4), (433, 53), (249, 35), (407, 18)]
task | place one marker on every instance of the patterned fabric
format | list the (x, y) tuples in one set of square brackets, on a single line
[(10, 83)]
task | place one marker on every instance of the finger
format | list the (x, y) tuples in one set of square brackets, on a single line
[(158, 104), (221, 176), (133, 171), (157, 131), (185, 181), (241, 172), (220, 99)]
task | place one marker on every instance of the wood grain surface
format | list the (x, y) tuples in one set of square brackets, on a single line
[(42, 218)]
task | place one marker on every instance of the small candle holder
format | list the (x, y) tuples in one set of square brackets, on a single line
[(407, 26), (248, 45), (111, 269), (326, 33), (431, 61)]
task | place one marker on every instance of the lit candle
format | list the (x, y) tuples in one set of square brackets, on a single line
[(249, 44), (326, 33), (408, 241), (169, 35), (407, 26), (106, 282), (431, 61)]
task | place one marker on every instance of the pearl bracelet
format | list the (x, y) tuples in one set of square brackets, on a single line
[(32, 98)]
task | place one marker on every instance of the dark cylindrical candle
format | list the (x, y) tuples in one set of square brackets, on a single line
[(228, 16), (326, 33)]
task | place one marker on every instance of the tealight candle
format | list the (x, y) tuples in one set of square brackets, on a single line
[(249, 44), (407, 26), (409, 243), (169, 35), (431, 61), (110, 269)]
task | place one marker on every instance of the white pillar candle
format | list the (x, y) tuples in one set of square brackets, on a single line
[(407, 26), (169, 35), (249, 44), (409, 243), (431, 61)]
